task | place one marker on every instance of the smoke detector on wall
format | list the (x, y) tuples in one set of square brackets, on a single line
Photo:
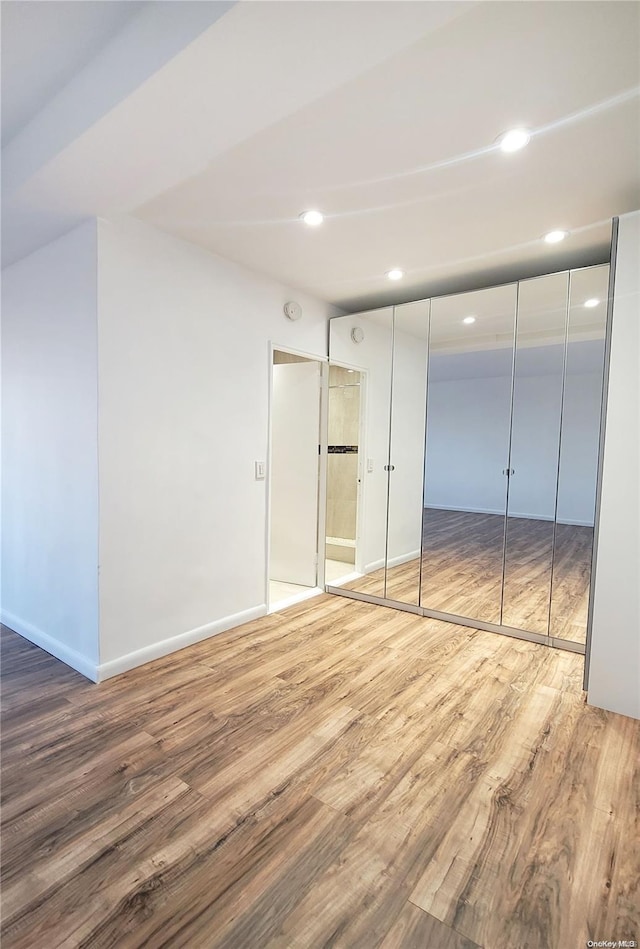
[(292, 310), (357, 334)]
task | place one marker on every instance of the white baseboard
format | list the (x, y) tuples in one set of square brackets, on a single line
[(375, 565), (404, 558), (348, 578), (464, 510), (487, 510), (53, 646), (295, 598), (106, 670)]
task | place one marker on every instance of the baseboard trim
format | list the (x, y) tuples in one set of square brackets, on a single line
[(50, 644), (139, 657), (280, 605), (393, 562), (520, 514), (404, 558), (463, 510), (375, 565)]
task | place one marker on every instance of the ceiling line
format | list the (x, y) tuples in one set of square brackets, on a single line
[(463, 260)]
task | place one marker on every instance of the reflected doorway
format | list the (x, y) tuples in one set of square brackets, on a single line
[(344, 477)]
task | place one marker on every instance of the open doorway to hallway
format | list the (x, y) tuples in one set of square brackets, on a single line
[(294, 479)]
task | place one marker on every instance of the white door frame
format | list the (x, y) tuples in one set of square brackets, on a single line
[(323, 362)]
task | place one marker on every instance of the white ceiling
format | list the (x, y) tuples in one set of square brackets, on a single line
[(44, 44), (383, 114)]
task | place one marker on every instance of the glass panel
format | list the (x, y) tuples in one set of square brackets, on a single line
[(468, 410), (363, 343), (408, 406), (579, 453), (342, 473), (535, 441)]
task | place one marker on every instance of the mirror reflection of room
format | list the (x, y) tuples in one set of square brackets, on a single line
[(462, 470), (512, 449), (406, 451), (579, 447), (364, 343), (468, 417)]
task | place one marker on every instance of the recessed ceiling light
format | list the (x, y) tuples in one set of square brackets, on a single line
[(554, 237), (312, 218), (514, 139), (592, 302), (395, 274), (469, 319)]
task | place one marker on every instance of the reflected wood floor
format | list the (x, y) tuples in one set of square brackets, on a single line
[(462, 572), (340, 775)]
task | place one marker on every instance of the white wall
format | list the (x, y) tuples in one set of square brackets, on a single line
[(467, 446), (50, 448), (614, 677), (183, 412)]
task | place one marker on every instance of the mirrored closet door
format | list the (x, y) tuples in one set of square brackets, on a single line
[(361, 349), (478, 428), (538, 378), (579, 445), (468, 419), (406, 452)]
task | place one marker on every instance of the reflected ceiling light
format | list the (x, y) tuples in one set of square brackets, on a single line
[(514, 140), (592, 302), (554, 237), (469, 319), (395, 274), (312, 218)]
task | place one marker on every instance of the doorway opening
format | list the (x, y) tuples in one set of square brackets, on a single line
[(295, 474)]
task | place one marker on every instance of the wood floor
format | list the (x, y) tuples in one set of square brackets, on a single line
[(462, 560), (339, 775)]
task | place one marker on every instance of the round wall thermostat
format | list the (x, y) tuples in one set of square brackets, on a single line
[(357, 334), (292, 310)]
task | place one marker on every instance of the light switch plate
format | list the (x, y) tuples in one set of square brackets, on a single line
[(260, 470), (369, 465)]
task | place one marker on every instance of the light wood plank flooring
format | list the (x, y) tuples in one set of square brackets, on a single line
[(462, 556), (339, 775)]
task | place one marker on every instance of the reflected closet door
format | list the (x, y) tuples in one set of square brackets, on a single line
[(364, 342), (579, 445), (532, 472), (467, 447), (406, 461)]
